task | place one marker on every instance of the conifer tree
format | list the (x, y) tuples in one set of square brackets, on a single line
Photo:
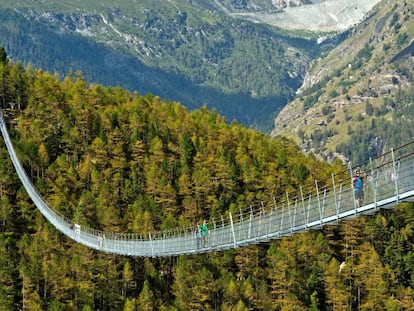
[(3, 55), (146, 299), (337, 290), (194, 285), (371, 279), (7, 272)]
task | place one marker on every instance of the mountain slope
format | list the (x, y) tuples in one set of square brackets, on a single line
[(247, 71), (358, 100)]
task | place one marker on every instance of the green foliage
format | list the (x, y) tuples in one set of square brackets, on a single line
[(368, 139), (365, 52), (311, 100), (118, 161), (369, 109), (402, 39), (333, 93)]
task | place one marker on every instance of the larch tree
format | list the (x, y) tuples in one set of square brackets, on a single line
[(187, 200), (138, 154), (371, 279), (158, 184), (130, 305), (278, 275), (194, 284), (336, 286), (43, 157), (7, 273), (146, 300), (128, 283), (6, 211), (231, 294)]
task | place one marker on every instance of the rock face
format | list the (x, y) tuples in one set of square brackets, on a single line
[(326, 16), (313, 15), (363, 82)]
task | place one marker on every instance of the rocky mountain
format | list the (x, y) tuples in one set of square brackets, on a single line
[(311, 15), (232, 55), (358, 100)]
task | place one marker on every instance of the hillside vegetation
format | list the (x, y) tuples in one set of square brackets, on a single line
[(358, 101), (119, 161), (173, 49), (155, 153)]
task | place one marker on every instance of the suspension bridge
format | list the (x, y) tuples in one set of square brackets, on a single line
[(389, 181)]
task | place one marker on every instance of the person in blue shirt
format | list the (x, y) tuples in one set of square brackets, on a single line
[(358, 186)]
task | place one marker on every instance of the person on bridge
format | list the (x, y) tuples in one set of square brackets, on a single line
[(358, 186), (204, 232), (101, 238), (197, 235)]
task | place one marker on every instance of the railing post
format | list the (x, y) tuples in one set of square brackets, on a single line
[(232, 230), (335, 199), (240, 225), (222, 230), (249, 232), (213, 233), (394, 164), (319, 202), (374, 183), (309, 207), (269, 227), (324, 202), (163, 241), (352, 189), (262, 221), (295, 211), (152, 245), (274, 208), (289, 211), (305, 219)]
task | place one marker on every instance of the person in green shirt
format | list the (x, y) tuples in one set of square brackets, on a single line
[(204, 232)]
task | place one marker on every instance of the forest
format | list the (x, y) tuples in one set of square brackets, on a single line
[(194, 56), (122, 162)]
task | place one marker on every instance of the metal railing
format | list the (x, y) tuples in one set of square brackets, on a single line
[(389, 180)]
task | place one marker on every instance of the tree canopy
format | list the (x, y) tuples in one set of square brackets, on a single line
[(124, 162)]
